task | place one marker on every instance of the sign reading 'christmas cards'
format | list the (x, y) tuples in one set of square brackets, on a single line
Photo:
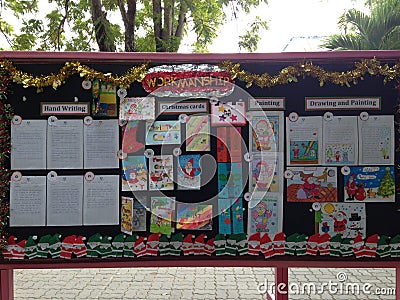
[(370, 184)]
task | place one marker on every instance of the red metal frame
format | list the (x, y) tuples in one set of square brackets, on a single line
[(281, 266)]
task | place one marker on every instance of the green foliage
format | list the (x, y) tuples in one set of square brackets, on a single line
[(378, 30), (68, 25)]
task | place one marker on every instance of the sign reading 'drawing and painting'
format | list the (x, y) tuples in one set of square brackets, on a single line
[(64, 108), (370, 103)]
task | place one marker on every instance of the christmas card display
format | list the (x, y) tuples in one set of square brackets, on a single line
[(229, 144), (189, 172), (370, 184), (163, 133), (104, 99), (139, 216), (161, 173), (134, 173), (265, 174), (126, 215), (198, 133), (162, 214), (225, 114), (303, 140), (340, 140), (131, 140), (265, 131), (264, 213), (347, 219), (194, 216), (137, 108), (312, 184)]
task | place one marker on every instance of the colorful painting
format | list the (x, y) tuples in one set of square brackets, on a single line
[(266, 173), (266, 131), (162, 214), (197, 133), (134, 173), (340, 154), (161, 173), (370, 184), (189, 172), (132, 139), (163, 133), (104, 99), (312, 184), (263, 214), (126, 215), (348, 219), (194, 216), (139, 216), (137, 108)]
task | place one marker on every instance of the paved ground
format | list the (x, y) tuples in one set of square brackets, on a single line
[(200, 283)]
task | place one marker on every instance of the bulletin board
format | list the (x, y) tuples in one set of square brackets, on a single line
[(205, 155)]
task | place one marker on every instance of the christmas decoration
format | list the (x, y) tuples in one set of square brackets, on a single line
[(387, 186)]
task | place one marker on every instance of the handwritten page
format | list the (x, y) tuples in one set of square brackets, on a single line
[(65, 145), (101, 139), (376, 140), (28, 140), (304, 138), (101, 200), (28, 201), (340, 140), (64, 201)]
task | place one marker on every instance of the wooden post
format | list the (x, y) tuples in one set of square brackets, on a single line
[(6, 284)]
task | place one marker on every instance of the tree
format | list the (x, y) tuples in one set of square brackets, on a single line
[(377, 30), (387, 186), (144, 25)]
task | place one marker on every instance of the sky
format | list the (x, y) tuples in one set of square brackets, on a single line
[(289, 19)]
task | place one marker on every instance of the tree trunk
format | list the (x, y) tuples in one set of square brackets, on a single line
[(129, 19), (102, 27), (157, 21)]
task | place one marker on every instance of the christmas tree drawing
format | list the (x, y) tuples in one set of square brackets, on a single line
[(387, 186)]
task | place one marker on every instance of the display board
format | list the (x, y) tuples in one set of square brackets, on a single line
[(202, 157)]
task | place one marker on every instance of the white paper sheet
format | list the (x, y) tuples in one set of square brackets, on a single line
[(304, 139), (65, 145), (101, 200), (340, 141), (28, 201), (376, 140), (64, 201), (28, 141), (101, 140)]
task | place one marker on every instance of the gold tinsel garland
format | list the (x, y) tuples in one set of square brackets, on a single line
[(302, 70), (69, 69), (287, 75)]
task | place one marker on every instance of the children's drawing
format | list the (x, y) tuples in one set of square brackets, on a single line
[(348, 219), (134, 173), (131, 137), (161, 173), (370, 184), (230, 181), (197, 133), (304, 138), (223, 114), (126, 215), (263, 214), (162, 213), (265, 173), (194, 216), (265, 131), (340, 140), (163, 133), (104, 99), (189, 172), (138, 216), (376, 136), (224, 216), (137, 108), (312, 184)]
